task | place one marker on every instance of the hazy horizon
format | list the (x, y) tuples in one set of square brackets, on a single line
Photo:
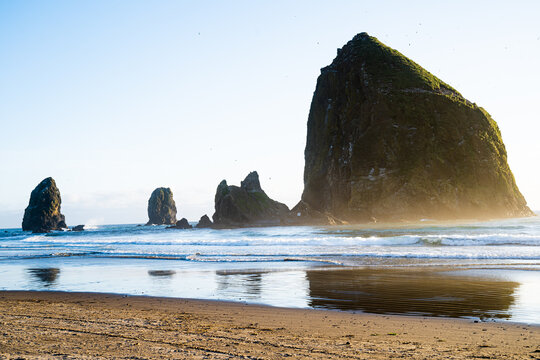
[(113, 100)]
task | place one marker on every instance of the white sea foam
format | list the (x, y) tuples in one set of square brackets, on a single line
[(512, 239)]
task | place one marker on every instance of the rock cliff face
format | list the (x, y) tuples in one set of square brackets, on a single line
[(247, 205), (43, 211), (161, 207), (388, 140)]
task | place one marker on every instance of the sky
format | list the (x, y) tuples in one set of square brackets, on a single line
[(115, 98)]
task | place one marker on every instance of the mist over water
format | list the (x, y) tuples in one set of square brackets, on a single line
[(353, 268)]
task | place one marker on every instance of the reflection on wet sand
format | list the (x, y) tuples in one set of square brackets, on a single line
[(245, 284), (47, 276), (410, 292), (161, 273)]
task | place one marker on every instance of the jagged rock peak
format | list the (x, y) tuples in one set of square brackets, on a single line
[(43, 211), (247, 205), (161, 207), (387, 140), (251, 182)]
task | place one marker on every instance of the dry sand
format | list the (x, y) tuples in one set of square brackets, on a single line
[(78, 325)]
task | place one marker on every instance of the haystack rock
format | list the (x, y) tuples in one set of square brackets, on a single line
[(387, 140), (247, 205), (161, 207), (43, 211)]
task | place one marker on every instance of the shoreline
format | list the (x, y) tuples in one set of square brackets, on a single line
[(58, 294), (463, 292), (52, 324)]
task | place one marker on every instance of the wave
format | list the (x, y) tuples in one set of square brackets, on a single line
[(402, 240), (337, 258), (511, 240)]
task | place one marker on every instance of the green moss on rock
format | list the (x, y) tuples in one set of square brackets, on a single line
[(388, 140)]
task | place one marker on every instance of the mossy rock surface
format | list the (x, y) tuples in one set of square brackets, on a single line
[(388, 140), (247, 205), (161, 207), (43, 211)]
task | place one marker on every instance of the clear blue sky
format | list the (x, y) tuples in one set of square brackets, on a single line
[(116, 98)]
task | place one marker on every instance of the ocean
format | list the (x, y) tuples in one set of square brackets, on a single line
[(479, 270)]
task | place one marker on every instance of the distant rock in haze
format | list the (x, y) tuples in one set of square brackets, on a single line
[(161, 207), (247, 205), (204, 222), (387, 140), (43, 211), (181, 224)]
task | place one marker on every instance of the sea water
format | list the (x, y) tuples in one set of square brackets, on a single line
[(487, 270)]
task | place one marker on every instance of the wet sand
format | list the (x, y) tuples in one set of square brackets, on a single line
[(83, 325)]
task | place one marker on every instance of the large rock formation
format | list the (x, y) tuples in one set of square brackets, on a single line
[(43, 211), (161, 207), (388, 140), (247, 205)]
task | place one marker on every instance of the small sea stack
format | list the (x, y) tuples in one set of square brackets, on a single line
[(247, 205), (387, 140), (204, 222), (43, 212), (161, 207), (78, 228), (181, 224)]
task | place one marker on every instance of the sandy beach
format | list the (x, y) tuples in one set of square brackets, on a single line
[(84, 325)]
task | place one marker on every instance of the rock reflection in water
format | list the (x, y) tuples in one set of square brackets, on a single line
[(410, 292), (47, 276), (161, 273), (239, 284)]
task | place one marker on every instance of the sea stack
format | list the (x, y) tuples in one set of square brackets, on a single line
[(181, 224), (388, 140), (161, 207), (43, 211), (247, 205), (204, 222)]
